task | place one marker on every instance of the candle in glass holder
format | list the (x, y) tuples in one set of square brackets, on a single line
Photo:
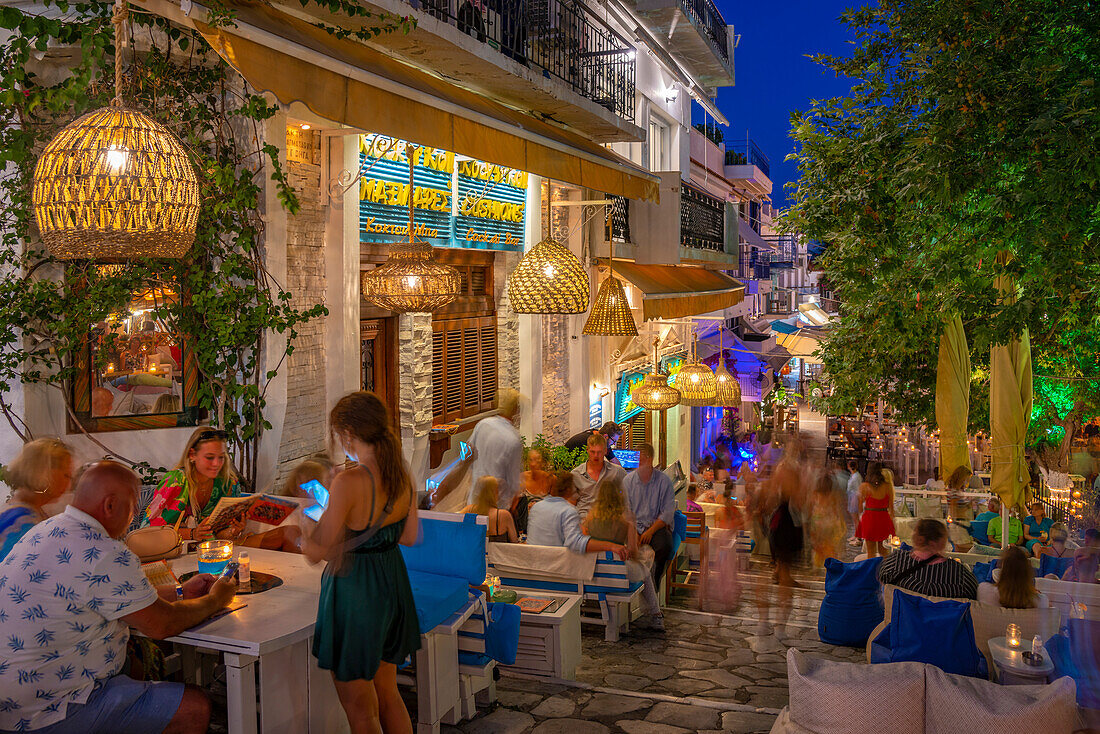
[(1012, 635)]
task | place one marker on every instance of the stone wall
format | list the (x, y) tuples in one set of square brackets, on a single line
[(508, 347), (414, 357), (556, 395), (304, 425)]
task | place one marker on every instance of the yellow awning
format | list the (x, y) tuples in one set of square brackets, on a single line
[(673, 292), (349, 83)]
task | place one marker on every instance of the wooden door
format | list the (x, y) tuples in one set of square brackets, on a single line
[(378, 360)]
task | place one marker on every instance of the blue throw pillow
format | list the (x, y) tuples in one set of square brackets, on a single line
[(852, 606), (984, 571), (979, 531), (937, 633), (1054, 565)]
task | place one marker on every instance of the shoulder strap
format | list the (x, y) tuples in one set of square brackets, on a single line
[(898, 578)]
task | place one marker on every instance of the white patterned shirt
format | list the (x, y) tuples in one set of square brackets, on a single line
[(64, 588)]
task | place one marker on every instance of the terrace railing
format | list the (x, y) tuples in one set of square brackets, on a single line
[(745, 152), (563, 38), (710, 23), (702, 220)]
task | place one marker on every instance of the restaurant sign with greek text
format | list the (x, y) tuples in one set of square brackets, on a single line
[(457, 201)]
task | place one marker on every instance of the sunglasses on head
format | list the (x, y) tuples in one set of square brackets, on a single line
[(213, 433)]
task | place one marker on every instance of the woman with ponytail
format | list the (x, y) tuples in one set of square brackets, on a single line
[(366, 617)]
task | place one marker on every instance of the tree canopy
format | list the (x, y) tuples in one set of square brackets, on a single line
[(972, 129)]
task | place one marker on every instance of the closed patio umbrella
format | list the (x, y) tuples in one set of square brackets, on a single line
[(953, 397), (1010, 398)]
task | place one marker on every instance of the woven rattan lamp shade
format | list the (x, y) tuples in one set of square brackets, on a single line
[(115, 185), (411, 280), (654, 393), (728, 392), (548, 279), (610, 314), (697, 385)]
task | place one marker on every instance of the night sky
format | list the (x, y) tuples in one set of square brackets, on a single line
[(773, 75)]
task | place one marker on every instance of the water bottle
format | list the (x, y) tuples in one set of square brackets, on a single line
[(1037, 651), (244, 572)]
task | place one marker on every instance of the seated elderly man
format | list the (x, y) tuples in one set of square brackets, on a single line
[(925, 569), (554, 521), (68, 591)]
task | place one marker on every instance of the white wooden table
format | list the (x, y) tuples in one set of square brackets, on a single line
[(550, 641), (1010, 665), (268, 643)]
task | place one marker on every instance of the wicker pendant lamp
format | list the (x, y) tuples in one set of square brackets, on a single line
[(728, 392), (654, 392), (115, 184), (610, 314), (548, 279), (695, 381), (411, 281)]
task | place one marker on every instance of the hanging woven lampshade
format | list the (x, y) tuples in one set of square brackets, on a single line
[(610, 314), (654, 392), (728, 392), (411, 280), (115, 184), (696, 383), (548, 279)]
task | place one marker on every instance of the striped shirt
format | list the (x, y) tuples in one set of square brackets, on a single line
[(947, 578)]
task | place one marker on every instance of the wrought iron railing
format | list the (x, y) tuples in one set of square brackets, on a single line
[(618, 218), (702, 220), (563, 38), (745, 152), (786, 249), (757, 265), (710, 23)]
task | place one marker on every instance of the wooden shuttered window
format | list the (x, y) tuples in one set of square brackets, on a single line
[(464, 367), (635, 432)]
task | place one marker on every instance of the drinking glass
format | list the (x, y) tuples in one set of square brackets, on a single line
[(214, 555)]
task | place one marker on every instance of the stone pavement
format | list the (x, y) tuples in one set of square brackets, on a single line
[(706, 672)]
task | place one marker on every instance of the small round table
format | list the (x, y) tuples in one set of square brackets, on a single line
[(1011, 669)]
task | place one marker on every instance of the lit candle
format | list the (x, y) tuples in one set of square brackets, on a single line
[(1012, 634)]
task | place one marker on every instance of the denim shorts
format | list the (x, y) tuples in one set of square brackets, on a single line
[(122, 705)]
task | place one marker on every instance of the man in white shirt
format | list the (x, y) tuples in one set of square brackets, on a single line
[(69, 591), (498, 450), (854, 482), (587, 476)]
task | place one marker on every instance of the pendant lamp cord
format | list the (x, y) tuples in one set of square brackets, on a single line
[(119, 18)]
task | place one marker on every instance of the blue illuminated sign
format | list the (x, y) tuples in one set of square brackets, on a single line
[(458, 202)]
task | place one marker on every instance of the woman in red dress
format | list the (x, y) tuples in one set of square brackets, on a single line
[(876, 498)]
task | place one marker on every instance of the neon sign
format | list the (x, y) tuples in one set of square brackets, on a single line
[(459, 203)]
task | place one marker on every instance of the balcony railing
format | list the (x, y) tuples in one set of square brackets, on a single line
[(745, 152), (563, 38), (756, 264), (702, 220), (710, 23), (618, 218), (786, 249)]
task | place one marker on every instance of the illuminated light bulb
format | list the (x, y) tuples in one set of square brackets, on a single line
[(152, 368), (412, 281), (306, 126), (549, 271), (116, 159)]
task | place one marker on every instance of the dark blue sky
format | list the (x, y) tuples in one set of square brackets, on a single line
[(773, 75)]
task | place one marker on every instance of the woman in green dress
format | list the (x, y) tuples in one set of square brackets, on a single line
[(366, 617)]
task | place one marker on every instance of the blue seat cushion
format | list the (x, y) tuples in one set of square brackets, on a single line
[(476, 659), (979, 531), (1054, 565), (437, 597), (449, 548), (984, 571), (610, 591), (852, 606), (938, 633), (679, 532)]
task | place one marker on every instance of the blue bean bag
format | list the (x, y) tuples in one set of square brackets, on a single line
[(984, 571), (938, 633), (1075, 655), (1054, 565), (979, 530), (852, 606)]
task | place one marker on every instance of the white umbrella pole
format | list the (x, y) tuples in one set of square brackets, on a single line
[(1004, 525)]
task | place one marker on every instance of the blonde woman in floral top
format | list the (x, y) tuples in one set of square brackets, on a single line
[(188, 495)]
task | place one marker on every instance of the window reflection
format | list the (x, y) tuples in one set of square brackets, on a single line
[(136, 361)]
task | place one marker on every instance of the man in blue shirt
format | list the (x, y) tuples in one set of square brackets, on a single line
[(651, 499), (554, 521)]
